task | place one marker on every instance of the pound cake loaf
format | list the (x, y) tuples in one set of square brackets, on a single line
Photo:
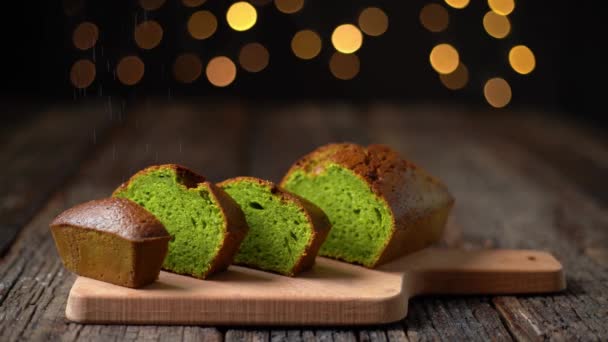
[(380, 205), (112, 240), (205, 224), (286, 230)]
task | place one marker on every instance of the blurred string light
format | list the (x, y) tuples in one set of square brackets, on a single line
[(82, 73), (344, 66), (151, 5), (457, 79), (241, 16), (148, 34), (306, 44), (130, 70), (497, 92), (434, 17), (85, 35), (193, 3), (522, 59), (202, 25), (373, 21), (347, 38), (289, 6), (502, 7), (187, 68), (459, 4), (496, 25), (221, 71), (254, 57), (444, 58)]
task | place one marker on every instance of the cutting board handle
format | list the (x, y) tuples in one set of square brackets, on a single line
[(460, 272)]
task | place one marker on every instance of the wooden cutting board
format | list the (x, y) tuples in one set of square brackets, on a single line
[(332, 293)]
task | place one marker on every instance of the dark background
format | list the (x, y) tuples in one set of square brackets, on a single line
[(566, 37)]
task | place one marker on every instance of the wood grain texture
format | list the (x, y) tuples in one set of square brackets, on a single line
[(38, 156), (331, 293), (509, 195)]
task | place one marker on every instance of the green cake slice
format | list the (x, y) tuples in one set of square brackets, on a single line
[(380, 205), (286, 231), (205, 224)]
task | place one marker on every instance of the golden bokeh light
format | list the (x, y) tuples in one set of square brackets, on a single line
[(289, 6), (193, 3), (241, 16), (148, 34), (202, 25), (85, 35), (457, 79), (344, 66), (373, 21), (130, 70), (221, 71), (434, 17), (457, 3), (187, 68), (497, 92), (82, 73), (151, 5), (522, 59), (444, 58), (502, 7), (254, 57), (496, 25), (347, 38), (306, 44)]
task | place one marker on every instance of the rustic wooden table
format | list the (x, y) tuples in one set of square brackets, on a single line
[(521, 180)]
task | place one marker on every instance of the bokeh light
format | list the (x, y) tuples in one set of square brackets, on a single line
[(85, 35), (457, 3), (497, 92), (72, 7), (202, 25), (82, 73), (347, 38), (254, 57), (148, 34), (151, 5), (444, 58), (522, 59), (187, 68), (289, 6), (434, 17), (496, 25), (457, 79), (241, 16), (306, 44), (193, 3), (373, 21), (130, 70), (344, 66), (221, 71), (502, 7)]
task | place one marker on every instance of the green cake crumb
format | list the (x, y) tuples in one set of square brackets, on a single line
[(280, 231), (191, 215), (361, 221)]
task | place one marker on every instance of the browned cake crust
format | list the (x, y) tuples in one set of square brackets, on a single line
[(314, 215), (113, 240), (419, 202), (235, 226), (118, 216)]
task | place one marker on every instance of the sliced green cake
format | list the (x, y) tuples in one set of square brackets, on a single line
[(205, 224), (380, 205), (286, 231)]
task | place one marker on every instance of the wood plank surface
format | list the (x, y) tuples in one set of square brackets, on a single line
[(522, 180)]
